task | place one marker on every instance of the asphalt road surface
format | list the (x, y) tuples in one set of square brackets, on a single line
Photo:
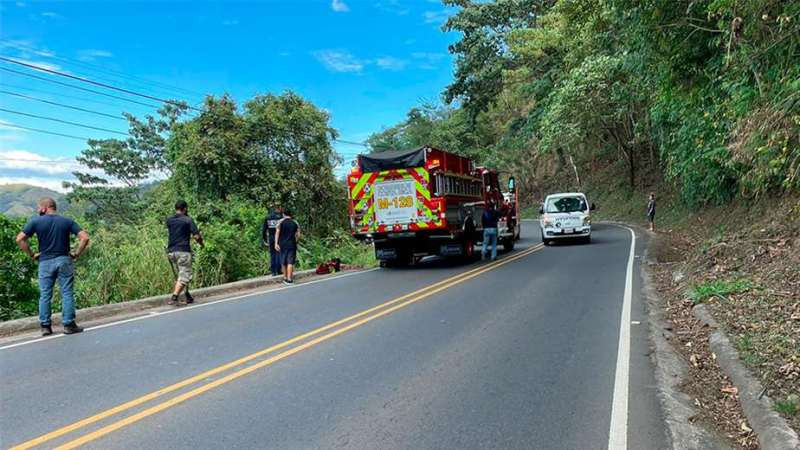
[(521, 353)]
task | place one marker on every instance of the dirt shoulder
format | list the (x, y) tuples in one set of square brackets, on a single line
[(743, 264)]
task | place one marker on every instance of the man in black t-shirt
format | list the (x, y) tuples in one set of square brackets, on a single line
[(181, 228), (268, 237), (55, 261), (286, 237)]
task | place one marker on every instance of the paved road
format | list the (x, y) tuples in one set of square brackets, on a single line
[(522, 353)]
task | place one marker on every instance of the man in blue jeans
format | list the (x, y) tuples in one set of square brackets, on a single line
[(55, 261), (489, 221)]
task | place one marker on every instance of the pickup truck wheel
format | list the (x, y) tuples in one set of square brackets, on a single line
[(545, 241)]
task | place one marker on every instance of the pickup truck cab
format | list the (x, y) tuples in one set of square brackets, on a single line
[(566, 216)]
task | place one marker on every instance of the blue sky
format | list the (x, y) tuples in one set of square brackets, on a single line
[(365, 61)]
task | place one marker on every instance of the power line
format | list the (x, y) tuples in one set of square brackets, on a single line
[(36, 116), (59, 94), (107, 86), (28, 97), (149, 105), (39, 130), (95, 83), (127, 91), (97, 68)]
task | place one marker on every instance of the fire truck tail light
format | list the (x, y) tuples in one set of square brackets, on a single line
[(442, 215)]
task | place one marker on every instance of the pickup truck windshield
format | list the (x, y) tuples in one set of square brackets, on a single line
[(565, 205)]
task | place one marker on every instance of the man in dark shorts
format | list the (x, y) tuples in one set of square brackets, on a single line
[(268, 237), (651, 211), (286, 237), (181, 229), (55, 261)]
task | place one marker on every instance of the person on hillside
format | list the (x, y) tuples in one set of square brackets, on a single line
[(286, 236), (489, 220), (181, 228), (55, 261), (651, 211), (268, 238)]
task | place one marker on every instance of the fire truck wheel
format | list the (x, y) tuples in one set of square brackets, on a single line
[(471, 253)]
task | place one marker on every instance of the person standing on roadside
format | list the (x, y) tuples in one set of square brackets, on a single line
[(55, 261), (651, 211), (286, 236), (268, 238), (181, 229), (489, 221)]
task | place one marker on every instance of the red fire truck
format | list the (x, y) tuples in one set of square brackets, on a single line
[(426, 201)]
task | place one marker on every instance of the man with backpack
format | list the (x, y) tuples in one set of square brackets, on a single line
[(286, 236), (181, 229), (268, 238)]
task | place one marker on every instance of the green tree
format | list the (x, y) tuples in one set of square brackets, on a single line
[(18, 293)]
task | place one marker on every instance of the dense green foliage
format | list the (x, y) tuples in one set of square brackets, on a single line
[(704, 93), (18, 294), (230, 164)]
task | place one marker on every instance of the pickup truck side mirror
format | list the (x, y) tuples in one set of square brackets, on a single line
[(593, 207), (541, 210), (511, 185)]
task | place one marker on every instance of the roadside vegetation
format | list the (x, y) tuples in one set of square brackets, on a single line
[(230, 163)]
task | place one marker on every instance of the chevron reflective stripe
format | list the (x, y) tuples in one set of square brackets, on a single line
[(355, 194), (363, 196)]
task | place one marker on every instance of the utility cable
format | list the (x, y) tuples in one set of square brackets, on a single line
[(76, 108), (96, 83), (36, 116), (149, 105)]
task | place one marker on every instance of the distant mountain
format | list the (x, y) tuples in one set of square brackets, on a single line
[(19, 200)]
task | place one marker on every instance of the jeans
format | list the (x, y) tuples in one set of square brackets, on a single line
[(274, 261), (490, 238), (61, 268)]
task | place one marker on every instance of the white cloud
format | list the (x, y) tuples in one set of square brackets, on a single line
[(436, 17), (428, 56), (391, 63), (427, 60), (339, 6), (48, 183), (339, 61), (230, 22), (392, 6), (52, 15), (34, 162), (42, 64), (91, 54)]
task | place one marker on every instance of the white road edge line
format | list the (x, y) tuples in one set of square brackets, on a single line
[(618, 431), (153, 314)]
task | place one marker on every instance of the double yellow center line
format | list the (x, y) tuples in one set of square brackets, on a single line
[(353, 321)]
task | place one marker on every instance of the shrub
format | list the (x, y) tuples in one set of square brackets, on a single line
[(18, 291)]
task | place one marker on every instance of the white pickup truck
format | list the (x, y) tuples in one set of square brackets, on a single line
[(566, 216)]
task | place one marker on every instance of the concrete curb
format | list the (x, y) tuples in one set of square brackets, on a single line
[(670, 372), (772, 430), (12, 327)]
